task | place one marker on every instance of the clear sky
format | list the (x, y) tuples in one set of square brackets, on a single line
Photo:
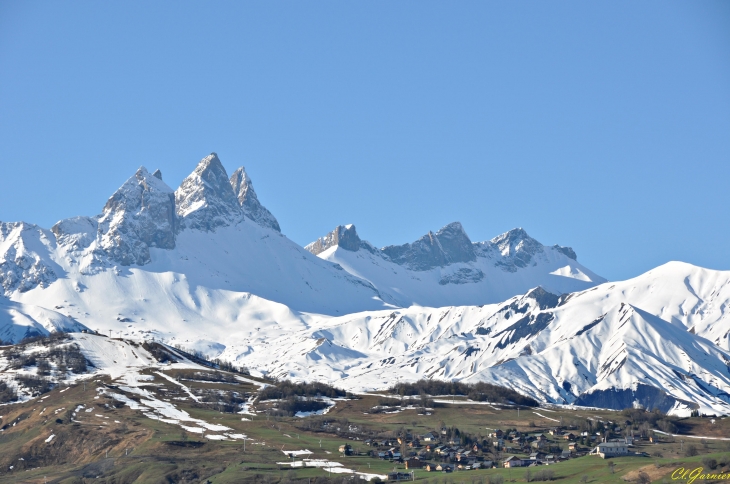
[(604, 126)]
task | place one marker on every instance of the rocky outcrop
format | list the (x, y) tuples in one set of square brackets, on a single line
[(447, 246), (516, 248), (21, 267), (252, 208), (76, 233), (140, 215), (205, 200), (344, 236), (566, 251)]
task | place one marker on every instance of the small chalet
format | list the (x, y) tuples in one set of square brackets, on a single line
[(414, 463), (513, 461), (538, 444), (537, 456), (428, 437)]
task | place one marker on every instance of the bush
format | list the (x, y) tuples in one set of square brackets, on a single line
[(496, 479), (709, 462), (643, 478), (7, 394), (36, 385), (691, 451), (544, 475)]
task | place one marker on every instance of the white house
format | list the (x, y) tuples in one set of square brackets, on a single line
[(611, 449)]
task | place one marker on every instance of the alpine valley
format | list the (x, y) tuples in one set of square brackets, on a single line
[(205, 267)]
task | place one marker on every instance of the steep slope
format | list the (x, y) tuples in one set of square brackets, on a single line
[(445, 268), (205, 199), (252, 208)]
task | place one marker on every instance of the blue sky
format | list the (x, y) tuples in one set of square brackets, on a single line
[(600, 125)]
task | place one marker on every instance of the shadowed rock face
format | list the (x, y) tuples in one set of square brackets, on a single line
[(252, 208), (566, 251), (140, 215), (344, 236), (448, 245), (205, 199)]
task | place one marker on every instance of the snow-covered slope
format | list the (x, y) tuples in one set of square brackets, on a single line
[(445, 268), (608, 346), (18, 321), (152, 248), (206, 266)]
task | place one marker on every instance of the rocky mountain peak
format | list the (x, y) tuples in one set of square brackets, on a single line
[(139, 215), (344, 236), (514, 241), (543, 298), (157, 174), (455, 243), (205, 199), (246, 196), (566, 251), (517, 248), (447, 246)]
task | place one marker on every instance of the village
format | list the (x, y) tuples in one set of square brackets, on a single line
[(447, 450)]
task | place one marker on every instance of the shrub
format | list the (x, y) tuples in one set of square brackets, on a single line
[(496, 479), (7, 394), (36, 385), (643, 478)]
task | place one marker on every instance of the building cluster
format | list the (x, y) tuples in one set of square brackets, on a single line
[(431, 451), (437, 452)]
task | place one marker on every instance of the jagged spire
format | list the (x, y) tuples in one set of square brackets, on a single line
[(205, 199), (246, 195)]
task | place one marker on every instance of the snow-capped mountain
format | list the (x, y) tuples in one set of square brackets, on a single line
[(609, 346), (153, 247), (207, 267), (446, 268)]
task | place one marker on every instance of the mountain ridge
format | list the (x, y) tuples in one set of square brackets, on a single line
[(206, 267)]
